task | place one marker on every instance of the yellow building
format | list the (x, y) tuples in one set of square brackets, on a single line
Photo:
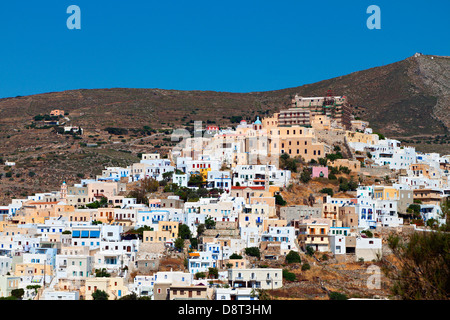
[(295, 141), (33, 269), (170, 226), (113, 286), (267, 223), (353, 165), (272, 122), (167, 232), (105, 215), (361, 137), (385, 193), (198, 292), (320, 122), (314, 233)]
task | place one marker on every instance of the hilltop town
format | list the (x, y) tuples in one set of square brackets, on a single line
[(294, 205)]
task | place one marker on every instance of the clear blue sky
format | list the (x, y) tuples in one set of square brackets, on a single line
[(236, 46)]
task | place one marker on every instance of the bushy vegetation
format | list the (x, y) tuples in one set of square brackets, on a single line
[(309, 250), (305, 176), (116, 131), (100, 295), (288, 163), (337, 296), (423, 268), (334, 156), (279, 200), (289, 276), (345, 185), (253, 252), (306, 266), (368, 233), (328, 191), (235, 256), (293, 257)]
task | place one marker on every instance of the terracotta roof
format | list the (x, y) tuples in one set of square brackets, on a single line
[(253, 188)]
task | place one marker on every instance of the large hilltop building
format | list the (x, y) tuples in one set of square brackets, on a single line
[(304, 110)]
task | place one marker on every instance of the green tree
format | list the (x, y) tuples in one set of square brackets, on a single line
[(432, 223), (306, 266), (196, 180), (140, 231), (34, 287), (414, 209), (179, 243), (210, 223), (235, 256), (184, 232), (279, 200), (194, 243), (380, 136), (289, 276), (293, 257), (102, 273), (200, 275), (337, 296), (334, 156), (200, 229), (100, 295), (213, 273), (149, 184), (309, 250), (253, 252), (305, 176), (328, 191), (17, 293), (167, 176), (368, 233), (323, 161), (131, 296)]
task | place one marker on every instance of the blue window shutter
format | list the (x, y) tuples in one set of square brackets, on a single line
[(95, 234)]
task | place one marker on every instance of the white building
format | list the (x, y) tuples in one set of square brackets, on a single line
[(337, 244), (389, 152), (255, 175), (368, 248), (219, 180), (257, 278), (200, 261), (61, 295), (285, 235), (236, 294), (151, 218)]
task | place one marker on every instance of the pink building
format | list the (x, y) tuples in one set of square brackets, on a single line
[(319, 172)]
